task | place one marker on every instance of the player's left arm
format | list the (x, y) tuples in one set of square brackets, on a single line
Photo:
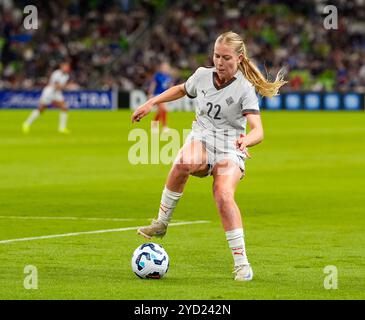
[(256, 134)]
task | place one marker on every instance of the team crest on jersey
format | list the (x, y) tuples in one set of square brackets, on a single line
[(229, 101)]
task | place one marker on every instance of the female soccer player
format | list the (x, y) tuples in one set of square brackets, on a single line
[(217, 145), (162, 80), (52, 94)]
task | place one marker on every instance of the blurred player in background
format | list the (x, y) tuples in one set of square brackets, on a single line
[(52, 95), (217, 145), (162, 80)]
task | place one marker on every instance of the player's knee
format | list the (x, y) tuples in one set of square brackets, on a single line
[(191, 168), (182, 168), (188, 167), (222, 195)]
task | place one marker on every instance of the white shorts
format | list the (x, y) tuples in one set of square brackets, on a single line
[(49, 94), (218, 149)]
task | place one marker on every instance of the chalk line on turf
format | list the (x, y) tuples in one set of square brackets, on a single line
[(66, 218), (94, 232)]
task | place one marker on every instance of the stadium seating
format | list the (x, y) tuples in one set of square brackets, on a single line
[(119, 44)]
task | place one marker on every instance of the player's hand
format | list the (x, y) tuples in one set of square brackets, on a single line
[(241, 145), (141, 111)]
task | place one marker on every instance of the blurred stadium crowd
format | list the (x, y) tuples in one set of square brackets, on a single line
[(119, 43)]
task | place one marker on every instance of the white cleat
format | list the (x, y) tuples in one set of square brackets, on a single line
[(243, 272)]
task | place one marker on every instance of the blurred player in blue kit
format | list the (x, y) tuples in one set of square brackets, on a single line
[(162, 80)]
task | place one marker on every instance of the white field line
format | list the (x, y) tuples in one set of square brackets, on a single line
[(66, 218), (73, 218), (94, 232)]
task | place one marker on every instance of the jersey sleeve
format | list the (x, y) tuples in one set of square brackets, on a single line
[(191, 84), (249, 101)]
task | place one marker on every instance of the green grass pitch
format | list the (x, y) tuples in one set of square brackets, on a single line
[(302, 202)]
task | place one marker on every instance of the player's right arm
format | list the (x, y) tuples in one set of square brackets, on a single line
[(174, 93)]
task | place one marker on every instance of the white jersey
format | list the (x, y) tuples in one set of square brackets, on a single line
[(50, 93), (221, 111), (221, 108), (58, 77)]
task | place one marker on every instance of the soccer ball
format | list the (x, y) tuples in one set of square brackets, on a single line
[(150, 261)]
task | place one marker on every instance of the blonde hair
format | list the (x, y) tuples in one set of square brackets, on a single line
[(249, 69)]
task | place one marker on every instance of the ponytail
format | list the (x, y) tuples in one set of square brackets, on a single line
[(261, 84), (250, 70)]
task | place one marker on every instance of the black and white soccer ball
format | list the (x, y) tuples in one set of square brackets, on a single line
[(150, 260)]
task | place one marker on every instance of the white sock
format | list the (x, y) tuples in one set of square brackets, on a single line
[(33, 115), (63, 120), (236, 243), (169, 201)]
